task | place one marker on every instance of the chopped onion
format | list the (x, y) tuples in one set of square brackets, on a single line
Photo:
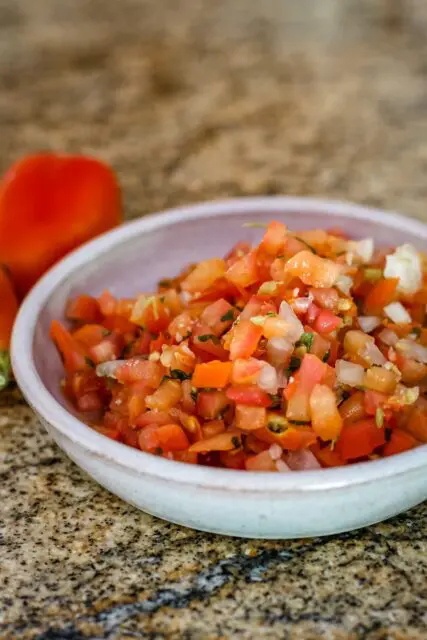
[(278, 351), (412, 350), (282, 378), (397, 313), (267, 379), (281, 466), (349, 373), (275, 452), (373, 354), (369, 323), (108, 369), (300, 305), (185, 296), (295, 327), (302, 460), (344, 284), (405, 264), (363, 250), (389, 337)]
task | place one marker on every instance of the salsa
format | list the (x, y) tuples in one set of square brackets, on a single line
[(308, 350)]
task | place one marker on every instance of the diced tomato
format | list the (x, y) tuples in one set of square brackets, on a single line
[(250, 395), (380, 295), (172, 437), (326, 322), (222, 442), (291, 438), (246, 371), (204, 275), (310, 373), (221, 288), (204, 340), (165, 397), (120, 325), (84, 309), (325, 298), (152, 418), (274, 238), (243, 272), (109, 348), (399, 441), (233, 459), (359, 439), (373, 400), (212, 374), (89, 402), (90, 334), (246, 336), (148, 439), (326, 456), (325, 418), (353, 409), (73, 353), (211, 404), (260, 462), (236, 252), (250, 418), (416, 424), (218, 316), (151, 313), (107, 303), (213, 428)]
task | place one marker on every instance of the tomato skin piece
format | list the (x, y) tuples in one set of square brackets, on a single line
[(359, 439), (246, 371), (244, 342), (325, 418), (292, 438), (90, 334), (250, 395), (136, 370), (213, 314), (312, 313), (109, 348), (373, 400), (203, 275), (243, 272), (50, 204), (73, 353)]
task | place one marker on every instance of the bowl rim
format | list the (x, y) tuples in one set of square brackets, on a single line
[(141, 463)]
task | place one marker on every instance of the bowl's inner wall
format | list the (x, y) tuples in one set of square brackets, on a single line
[(139, 262)]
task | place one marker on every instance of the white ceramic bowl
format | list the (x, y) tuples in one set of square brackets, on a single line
[(132, 259)]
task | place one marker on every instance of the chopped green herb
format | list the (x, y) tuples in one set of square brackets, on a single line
[(177, 374), (165, 378), (106, 333), (90, 362), (379, 417), (209, 336), (372, 274), (275, 427), (294, 365), (228, 316), (326, 356), (306, 340), (236, 442), (299, 423), (5, 368), (222, 413), (416, 331), (255, 225), (158, 451), (345, 396), (194, 393), (162, 299), (154, 336), (276, 400), (165, 284), (387, 434)]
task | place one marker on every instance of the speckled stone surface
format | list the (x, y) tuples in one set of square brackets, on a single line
[(191, 100)]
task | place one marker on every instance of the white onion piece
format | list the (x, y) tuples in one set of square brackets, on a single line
[(281, 466), (278, 351), (406, 264), (302, 460), (282, 379), (108, 368), (267, 379), (389, 337), (185, 296), (412, 350), (369, 323), (373, 354), (275, 451), (344, 284), (300, 305), (397, 313), (295, 327), (349, 373)]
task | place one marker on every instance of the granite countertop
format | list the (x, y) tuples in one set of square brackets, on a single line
[(191, 100)]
